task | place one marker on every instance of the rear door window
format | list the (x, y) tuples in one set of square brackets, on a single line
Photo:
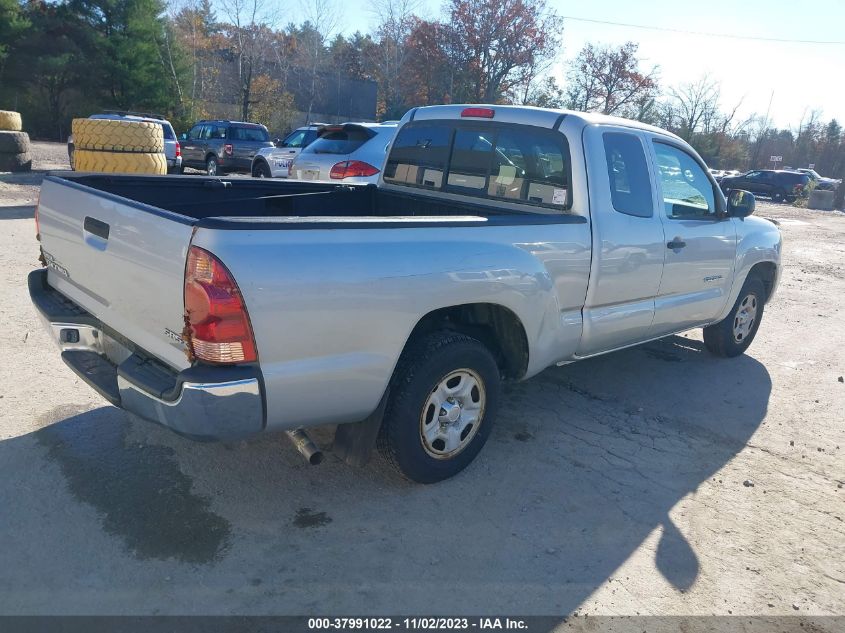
[(340, 141), (418, 156), (627, 173), (255, 134), (195, 133)]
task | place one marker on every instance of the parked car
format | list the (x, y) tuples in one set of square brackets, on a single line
[(395, 310), (352, 152), (822, 183), (275, 162), (779, 185), (172, 148), (222, 147), (718, 174)]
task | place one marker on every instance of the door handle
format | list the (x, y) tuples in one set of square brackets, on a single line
[(676, 244), (96, 227)]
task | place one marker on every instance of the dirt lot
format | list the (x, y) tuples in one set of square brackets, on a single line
[(658, 480)]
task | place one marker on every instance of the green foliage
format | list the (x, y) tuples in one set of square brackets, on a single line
[(12, 25), (75, 57)]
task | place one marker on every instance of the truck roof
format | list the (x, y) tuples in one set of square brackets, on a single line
[(528, 115)]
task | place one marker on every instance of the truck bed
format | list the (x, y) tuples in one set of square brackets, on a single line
[(202, 198)]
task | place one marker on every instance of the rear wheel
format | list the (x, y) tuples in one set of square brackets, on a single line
[(443, 400), (211, 165), (732, 336)]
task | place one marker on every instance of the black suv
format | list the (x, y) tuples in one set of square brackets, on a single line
[(220, 147), (778, 185)]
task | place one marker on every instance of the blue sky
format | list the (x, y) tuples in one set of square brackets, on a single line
[(802, 76)]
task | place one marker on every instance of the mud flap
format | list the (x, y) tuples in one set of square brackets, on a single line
[(354, 442)]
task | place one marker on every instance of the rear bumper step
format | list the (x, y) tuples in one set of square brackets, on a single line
[(202, 402)]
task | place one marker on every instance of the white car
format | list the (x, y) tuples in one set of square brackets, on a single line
[(275, 162), (351, 152)]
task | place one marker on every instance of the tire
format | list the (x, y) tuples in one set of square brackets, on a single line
[(10, 120), (14, 142), (113, 135), (178, 171), (119, 162), (779, 196), (211, 167), (261, 170), (722, 338), (16, 162), (427, 370)]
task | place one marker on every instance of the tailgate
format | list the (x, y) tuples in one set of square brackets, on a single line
[(124, 262)]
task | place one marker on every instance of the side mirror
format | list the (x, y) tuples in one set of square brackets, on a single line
[(277, 142), (183, 136), (740, 203)]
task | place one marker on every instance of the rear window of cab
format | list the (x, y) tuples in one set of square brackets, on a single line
[(510, 163)]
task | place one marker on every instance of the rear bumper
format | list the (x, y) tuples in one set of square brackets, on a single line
[(201, 402)]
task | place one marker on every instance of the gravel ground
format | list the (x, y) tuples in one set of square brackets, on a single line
[(658, 480)]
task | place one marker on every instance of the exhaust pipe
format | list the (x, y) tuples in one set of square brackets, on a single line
[(306, 446)]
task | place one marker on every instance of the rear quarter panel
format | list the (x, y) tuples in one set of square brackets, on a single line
[(332, 309)]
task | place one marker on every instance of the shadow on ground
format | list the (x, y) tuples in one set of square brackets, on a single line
[(104, 513)]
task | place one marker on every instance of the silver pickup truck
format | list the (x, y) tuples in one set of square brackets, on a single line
[(498, 241)]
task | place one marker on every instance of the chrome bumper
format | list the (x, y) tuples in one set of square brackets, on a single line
[(202, 402)]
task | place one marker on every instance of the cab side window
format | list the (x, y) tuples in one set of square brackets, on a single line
[(687, 191), (627, 173), (195, 132)]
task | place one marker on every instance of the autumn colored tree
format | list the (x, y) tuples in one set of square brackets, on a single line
[(501, 39), (609, 80)]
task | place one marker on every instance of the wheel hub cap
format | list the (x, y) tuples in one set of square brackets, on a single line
[(745, 317), (452, 414)]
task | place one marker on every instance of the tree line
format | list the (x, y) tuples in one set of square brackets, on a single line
[(189, 59)]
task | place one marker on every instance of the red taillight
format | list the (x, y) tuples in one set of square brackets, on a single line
[(217, 324), (352, 168), (484, 113), (178, 149), (227, 149), (37, 221)]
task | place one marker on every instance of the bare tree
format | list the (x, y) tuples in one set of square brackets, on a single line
[(322, 20), (609, 80), (695, 107), (249, 30), (396, 20)]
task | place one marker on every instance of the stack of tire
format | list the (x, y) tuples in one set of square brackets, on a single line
[(115, 146), (14, 144)]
